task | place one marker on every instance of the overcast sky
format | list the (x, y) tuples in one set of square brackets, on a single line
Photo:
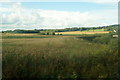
[(52, 15)]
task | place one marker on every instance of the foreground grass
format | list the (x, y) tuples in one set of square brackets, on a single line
[(58, 58)]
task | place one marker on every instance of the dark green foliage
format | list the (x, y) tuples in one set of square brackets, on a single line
[(105, 39), (47, 33), (53, 33), (26, 31), (105, 28), (90, 37), (42, 33), (60, 34)]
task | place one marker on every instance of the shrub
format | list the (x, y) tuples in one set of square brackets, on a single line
[(53, 33), (42, 33), (47, 33), (105, 39)]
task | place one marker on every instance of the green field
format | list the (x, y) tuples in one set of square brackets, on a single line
[(60, 57)]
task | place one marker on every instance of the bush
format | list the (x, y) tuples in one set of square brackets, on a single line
[(42, 33), (103, 39), (47, 33), (53, 33), (60, 34)]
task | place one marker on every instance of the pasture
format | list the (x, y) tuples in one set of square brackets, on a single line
[(82, 32), (57, 57)]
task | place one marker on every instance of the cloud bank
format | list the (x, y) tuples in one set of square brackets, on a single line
[(18, 17)]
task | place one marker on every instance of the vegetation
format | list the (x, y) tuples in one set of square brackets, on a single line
[(17, 37), (85, 32), (50, 31), (50, 54), (63, 57)]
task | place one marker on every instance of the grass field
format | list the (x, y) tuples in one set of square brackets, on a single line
[(83, 32), (57, 58), (18, 36)]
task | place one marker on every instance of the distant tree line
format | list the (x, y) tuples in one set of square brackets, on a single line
[(106, 28), (52, 31)]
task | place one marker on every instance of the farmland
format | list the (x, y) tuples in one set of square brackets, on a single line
[(59, 40), (84, 32), (59, 57)]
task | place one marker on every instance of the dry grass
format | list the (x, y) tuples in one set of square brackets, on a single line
[(80, 32), (17, 34), (61, 57)]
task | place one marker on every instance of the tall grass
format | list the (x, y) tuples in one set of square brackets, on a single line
[(58, 58)]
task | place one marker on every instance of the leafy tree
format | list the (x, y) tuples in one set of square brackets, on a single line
[(53, 33), (47, 33)]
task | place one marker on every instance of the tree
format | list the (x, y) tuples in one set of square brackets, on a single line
[(61, 34), (47, 33), (53, 33)]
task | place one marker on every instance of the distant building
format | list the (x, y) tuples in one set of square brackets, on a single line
[(115, 36), (115, 31)]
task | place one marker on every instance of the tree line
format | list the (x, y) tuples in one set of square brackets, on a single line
[(52, 31)]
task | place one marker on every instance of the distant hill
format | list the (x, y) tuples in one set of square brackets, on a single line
[(111, 28)]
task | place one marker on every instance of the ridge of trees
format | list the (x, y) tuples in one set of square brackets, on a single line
[(52, 31)]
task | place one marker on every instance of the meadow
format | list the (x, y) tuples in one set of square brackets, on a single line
[(59, 57), (82, 32)]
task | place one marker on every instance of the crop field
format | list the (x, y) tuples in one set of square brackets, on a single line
[(58, 57), (83, 32), (18, 36)]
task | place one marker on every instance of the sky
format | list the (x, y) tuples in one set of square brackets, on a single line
[(57, 15)]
